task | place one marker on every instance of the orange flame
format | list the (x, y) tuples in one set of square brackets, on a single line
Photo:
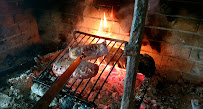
[(105, 22)]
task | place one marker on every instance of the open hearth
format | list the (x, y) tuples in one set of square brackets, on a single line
[(33, 32)]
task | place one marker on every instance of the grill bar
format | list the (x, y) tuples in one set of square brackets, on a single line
[(106, 79), (101, 73), (91, 78), (78, 87)]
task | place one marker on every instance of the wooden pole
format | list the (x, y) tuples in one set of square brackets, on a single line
[(133, 52)]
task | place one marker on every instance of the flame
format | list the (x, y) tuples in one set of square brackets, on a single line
[(104, 28), (105, 22)]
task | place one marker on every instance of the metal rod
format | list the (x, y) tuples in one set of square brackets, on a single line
[(77, 79), (82, 79), (47, 98), (136, 36), (106, 38), (91, 78)]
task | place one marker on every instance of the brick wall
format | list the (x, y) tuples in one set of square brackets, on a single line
[(18, 28), (175, 45)]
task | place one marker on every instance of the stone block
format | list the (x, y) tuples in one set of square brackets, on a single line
[(170, 74), (200, 43), (9, 8), (175, 51), (13, 50), (6, 21), (69, 19), (115, 27), (185, 24), (200, 29), (63, 30), (6, 32), (177, 64), (91, 23), (14, 41), (197, 69), (197, 55), (91, 11), (24, 26), (22, 17), (182, 38), (192, 78)]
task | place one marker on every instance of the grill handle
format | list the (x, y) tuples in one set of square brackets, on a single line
[(48, 97)]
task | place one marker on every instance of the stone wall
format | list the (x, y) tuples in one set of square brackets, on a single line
[(176, 45), (180, 40), (18, 28)]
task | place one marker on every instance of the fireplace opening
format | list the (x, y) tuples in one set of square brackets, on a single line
[(34, 34)]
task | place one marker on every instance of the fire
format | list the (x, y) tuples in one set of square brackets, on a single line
[(104, 28)]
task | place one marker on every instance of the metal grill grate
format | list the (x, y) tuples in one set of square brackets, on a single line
[(86, 89)]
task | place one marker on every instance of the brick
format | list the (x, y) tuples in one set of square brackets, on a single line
[(63, 30), (200, 29), (69, 19), (200, 42), (156, 20), (91, 11), (24, 26), (177, 64), (73, 8), (90, 23), (16, 40), (182, 38), (175, 51), (185, 24), (9, 8), (197, 55), (22, 17), (170, 74), (197, 69), (13, 50), (116, 27), (55, 16), (192, 78), (6, 32), (6, 21)]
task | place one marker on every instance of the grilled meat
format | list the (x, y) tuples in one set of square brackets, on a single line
[(91, 51), (83, 71)]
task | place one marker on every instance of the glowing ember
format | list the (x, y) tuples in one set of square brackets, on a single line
[(113, 88)]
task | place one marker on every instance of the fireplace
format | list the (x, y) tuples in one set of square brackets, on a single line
[(33, 32)]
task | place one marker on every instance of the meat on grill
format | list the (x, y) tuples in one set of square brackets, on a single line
[(83, 71), (91, 51)]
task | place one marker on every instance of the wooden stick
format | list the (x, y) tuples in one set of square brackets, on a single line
[(136, 36), (48, 97)]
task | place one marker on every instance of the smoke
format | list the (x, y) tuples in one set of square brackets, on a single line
[(125, 14)]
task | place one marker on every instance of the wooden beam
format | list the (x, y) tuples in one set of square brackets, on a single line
[(136, 36)]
